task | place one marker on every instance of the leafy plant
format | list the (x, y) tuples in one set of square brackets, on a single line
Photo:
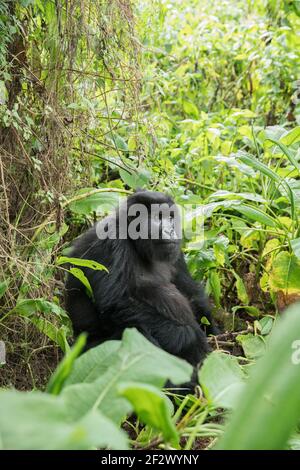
[(88, 397), (267, 411)]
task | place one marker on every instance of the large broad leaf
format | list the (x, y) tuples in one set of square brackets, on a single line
[(267, 412), (94, 201), (152, 407), (91, 365), (40, 421), (136, 360), (284, 279), (222, 379), (285, 274)]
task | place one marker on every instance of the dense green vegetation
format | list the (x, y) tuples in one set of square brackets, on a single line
[(196, 98)]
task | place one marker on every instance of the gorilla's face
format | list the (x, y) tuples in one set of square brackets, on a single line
[(154, 226), (167, 244)]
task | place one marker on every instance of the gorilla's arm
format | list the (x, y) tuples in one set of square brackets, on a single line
[(113, 310), (194, 292), (187, 341)]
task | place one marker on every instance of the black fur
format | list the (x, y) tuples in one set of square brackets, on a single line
[(148, 287)]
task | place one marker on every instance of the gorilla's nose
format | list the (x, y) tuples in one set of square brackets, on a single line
[(169, 233)]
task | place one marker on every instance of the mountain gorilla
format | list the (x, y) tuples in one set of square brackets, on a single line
[(147, 286)]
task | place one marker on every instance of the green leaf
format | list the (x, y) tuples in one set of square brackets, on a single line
[(50, 13), (3, 287), (88, 263), (253, 345), (222, 379), (49, 328), (204, 321), (220, 253), (120, 143), (265, 325), (215, 285), (132, 143), (254, 311), (257, 215), (39, 421), (3, 93), (295, 244), (290, 138), (27, 307), (99, 202), (267, 412), (47, 241), (241, 289), (79, 274), (271, 132), (285, 274), (265, 170), (287, 152), (206, 210), (294, 442), (190, 109), (152, 407), (245, 113), (94, 363), (134, 180), (64, 368), (233, 162), (223, 194), (136, 360)]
